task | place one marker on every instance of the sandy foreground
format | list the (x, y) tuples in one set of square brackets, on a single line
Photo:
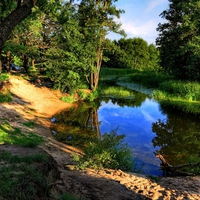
[(39, 104)]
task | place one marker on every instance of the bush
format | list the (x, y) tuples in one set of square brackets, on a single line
[(187, 90), (109, 152)]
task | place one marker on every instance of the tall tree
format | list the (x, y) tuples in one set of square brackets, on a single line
[(66, 59), (179, 38), (96, 19)]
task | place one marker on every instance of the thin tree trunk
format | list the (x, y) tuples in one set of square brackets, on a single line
[(1, 63)]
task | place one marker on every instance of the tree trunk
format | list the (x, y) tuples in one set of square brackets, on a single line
[(1, 63), (8, 61), (174, 170), (14, 18)]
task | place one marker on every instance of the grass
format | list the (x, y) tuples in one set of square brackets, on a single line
[(183, 95), (4, 77), (5, 97), (117, 92), (29, 124), (12, 135), (20, 179), (68, 197)]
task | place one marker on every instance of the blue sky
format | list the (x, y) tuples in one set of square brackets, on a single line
[(141, 18)]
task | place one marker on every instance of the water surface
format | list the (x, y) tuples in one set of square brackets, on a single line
[(148, 126)]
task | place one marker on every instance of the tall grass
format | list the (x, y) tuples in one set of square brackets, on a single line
[(189, 91)]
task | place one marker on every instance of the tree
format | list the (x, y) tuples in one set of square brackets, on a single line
[(96, 19), (179, 38), (132, 53), (67, 59), (28, 31)]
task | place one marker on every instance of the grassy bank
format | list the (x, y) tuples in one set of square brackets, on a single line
[(183, 95)]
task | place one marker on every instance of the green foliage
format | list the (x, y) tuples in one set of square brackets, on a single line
[(29, 124), (5, 97), (178, 39), (195, 169), (4, 77), (189, 91), (6, 7), (11, 135), (68, 197), (117, 92), (116, 72), (108, 152), (149, 79), (132, 53), (68, 99), (19, 179)]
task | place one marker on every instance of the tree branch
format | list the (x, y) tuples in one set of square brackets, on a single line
[(14, 18), (175, 169)]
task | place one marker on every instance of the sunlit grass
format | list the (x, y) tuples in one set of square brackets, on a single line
[(117, 92), (12, 135)]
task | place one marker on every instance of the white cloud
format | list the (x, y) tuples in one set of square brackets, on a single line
[(153, 4), (141, 18), (147, 116), (136, 28)]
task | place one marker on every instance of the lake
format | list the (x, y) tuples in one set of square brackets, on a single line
[(148, 126)]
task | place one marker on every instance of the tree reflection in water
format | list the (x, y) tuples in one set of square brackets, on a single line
[(178, 136), (77, 126)]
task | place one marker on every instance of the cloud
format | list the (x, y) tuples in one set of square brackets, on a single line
[(153, 4), (137, 29), (147, 116)]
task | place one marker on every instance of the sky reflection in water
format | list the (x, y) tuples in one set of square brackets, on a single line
[(136, 124)]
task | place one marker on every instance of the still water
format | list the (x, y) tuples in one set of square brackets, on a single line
[(148, 126)]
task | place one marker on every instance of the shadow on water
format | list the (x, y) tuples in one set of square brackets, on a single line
[(148, 126)]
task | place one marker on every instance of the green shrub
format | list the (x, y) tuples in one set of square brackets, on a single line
[(187, 90), (109, 152), (68, 99), (4, 77)]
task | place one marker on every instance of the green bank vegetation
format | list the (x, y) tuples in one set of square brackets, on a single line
[(184, 95), (26, 177), (109, 152)]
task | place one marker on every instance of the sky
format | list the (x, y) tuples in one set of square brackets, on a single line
[(141, 18)]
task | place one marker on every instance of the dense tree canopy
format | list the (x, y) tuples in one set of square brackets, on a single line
[(132, 53), (67, 40), (179, 38)]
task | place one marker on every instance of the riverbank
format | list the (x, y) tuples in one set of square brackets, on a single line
[(39, 104)]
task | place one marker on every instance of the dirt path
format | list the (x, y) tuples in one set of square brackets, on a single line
[(39, 105)]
